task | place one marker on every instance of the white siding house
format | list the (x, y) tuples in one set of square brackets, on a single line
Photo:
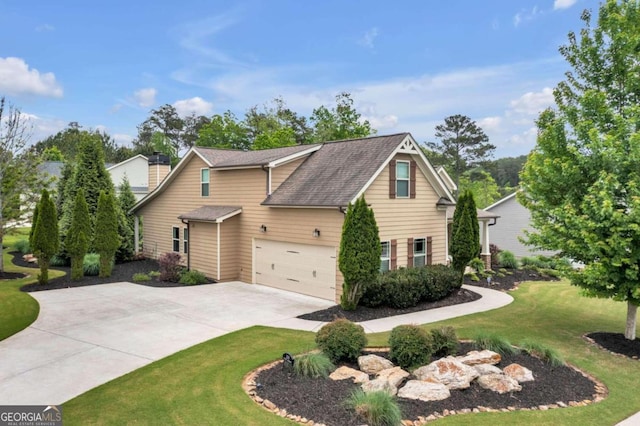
[(136, 169)]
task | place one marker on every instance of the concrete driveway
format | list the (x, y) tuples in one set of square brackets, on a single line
[(86, 336)]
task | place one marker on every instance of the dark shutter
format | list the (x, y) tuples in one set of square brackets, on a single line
[(429, 259), (394, 254), (412, 180), (392, 179), (410, 252)]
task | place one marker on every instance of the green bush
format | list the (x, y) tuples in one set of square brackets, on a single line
[(477, 264), (91, 264), (444, 341), (543, 352), (375, 408), (484, 340), (405, 287), (170, 267), (22, 246), (341, 340), (192, 277), (140, 278), (313, 365), (442, 281), (473, 277), (58, 260), (376, 293), (154, 274), (410, 346), (506, 259)]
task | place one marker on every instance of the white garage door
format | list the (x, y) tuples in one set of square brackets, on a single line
[(302, 268)]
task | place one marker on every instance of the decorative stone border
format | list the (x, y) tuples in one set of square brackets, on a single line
[(594, 343), (249, 386)]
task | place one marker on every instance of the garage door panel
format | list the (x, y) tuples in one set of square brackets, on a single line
[(302, 268)]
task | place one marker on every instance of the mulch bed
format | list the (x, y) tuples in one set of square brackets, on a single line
[(510, 281), (321, 400), (616, 343), (122, 272), (11, 275)]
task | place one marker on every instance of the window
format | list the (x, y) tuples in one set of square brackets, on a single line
[(204, 182), (176, 239), (419, 251), (185, 240), (402, 179), (385, 257)]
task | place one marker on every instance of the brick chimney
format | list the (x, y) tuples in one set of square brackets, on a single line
[(159, 168)]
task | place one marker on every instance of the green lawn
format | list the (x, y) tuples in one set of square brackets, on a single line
[(17, 309), (201, 385)]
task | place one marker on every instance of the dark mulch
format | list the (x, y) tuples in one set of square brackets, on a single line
[(617, 343), (11, 275), (322, 399), (510, 281), (363, 313), (121, 272)]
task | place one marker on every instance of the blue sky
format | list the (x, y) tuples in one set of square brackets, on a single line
[(408, 64)]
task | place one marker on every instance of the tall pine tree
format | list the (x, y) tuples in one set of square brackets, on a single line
[(45, 235), (79, 235), (106, 238)]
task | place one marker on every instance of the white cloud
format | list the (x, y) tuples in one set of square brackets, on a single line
[(145, 97), (122, 139), (45, 28), (39, 128), (490, 123), (563, 4), (368, 38), (196, 105), (526, 15), (533, 103), (17, 78)]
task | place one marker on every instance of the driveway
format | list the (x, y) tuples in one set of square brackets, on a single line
[(87, 336)]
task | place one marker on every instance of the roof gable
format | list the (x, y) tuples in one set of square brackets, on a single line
[(501, 201), (128, 160)]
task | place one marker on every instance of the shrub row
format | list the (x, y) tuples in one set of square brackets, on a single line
[(406, 287)]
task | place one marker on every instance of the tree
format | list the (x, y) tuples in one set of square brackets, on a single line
[(64, 145), (19, 185), (52, 153), (126, 221), (482, 186), (273, 117), (462, 144), (165, 120), (340, 122), (45, 235), (79, 234), (581, 182), (224, 132), (465, 233), (506, 171), (65, 175), (275, 139), (106, 238), (360, 250)]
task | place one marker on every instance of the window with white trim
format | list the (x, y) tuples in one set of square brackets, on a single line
[(204, 182), (419, 252), (176, 239), (385, 257), (185, 240), (402, 179)]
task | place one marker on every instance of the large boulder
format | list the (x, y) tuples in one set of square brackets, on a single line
[(424, 390), (484, 369), (395, 376), (499, 383), (448, 371), (379, 384), (373, 364), (519, 373), (480, 357), (344, 373)]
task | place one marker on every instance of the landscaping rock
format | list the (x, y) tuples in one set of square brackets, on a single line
[(519, 373), (448, 371), (379, 384), (373, 364), (394, 376), (424, 390), (484, 369), (480, 357), (499, 383), (343, 373)]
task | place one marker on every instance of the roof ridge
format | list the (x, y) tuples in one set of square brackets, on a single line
[(365, 138)]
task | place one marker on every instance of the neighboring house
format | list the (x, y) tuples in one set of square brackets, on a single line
[(514, 220), (274, 217), (485, 220)]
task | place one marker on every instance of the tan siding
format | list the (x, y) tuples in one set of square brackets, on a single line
[(279, 174), (229, 262), (203, 248), (404, 218)]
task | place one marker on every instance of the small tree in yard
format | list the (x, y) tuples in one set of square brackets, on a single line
[(78, 236), (126, 222), (106, 238), (465, 238), (45, 235), (360, 251)]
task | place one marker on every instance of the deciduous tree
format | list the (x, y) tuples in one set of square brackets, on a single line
[(340, 122), (484, 189), (582, 181)]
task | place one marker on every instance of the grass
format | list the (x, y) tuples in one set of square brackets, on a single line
[(542, 351), (376, 408), (313, 364), (486, 340), (17, 309), (202, 383)]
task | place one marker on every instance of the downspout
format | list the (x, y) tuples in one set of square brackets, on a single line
[(267, 170), (218, 247), (188, 244)]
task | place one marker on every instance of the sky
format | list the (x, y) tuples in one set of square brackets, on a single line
[(407, 64)]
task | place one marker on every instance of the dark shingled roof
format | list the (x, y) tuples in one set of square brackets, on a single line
[(482, 214), (221, 158), (209, 213), (333, 175)]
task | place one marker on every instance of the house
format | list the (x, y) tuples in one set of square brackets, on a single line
[(274, 217), (514, 220)]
